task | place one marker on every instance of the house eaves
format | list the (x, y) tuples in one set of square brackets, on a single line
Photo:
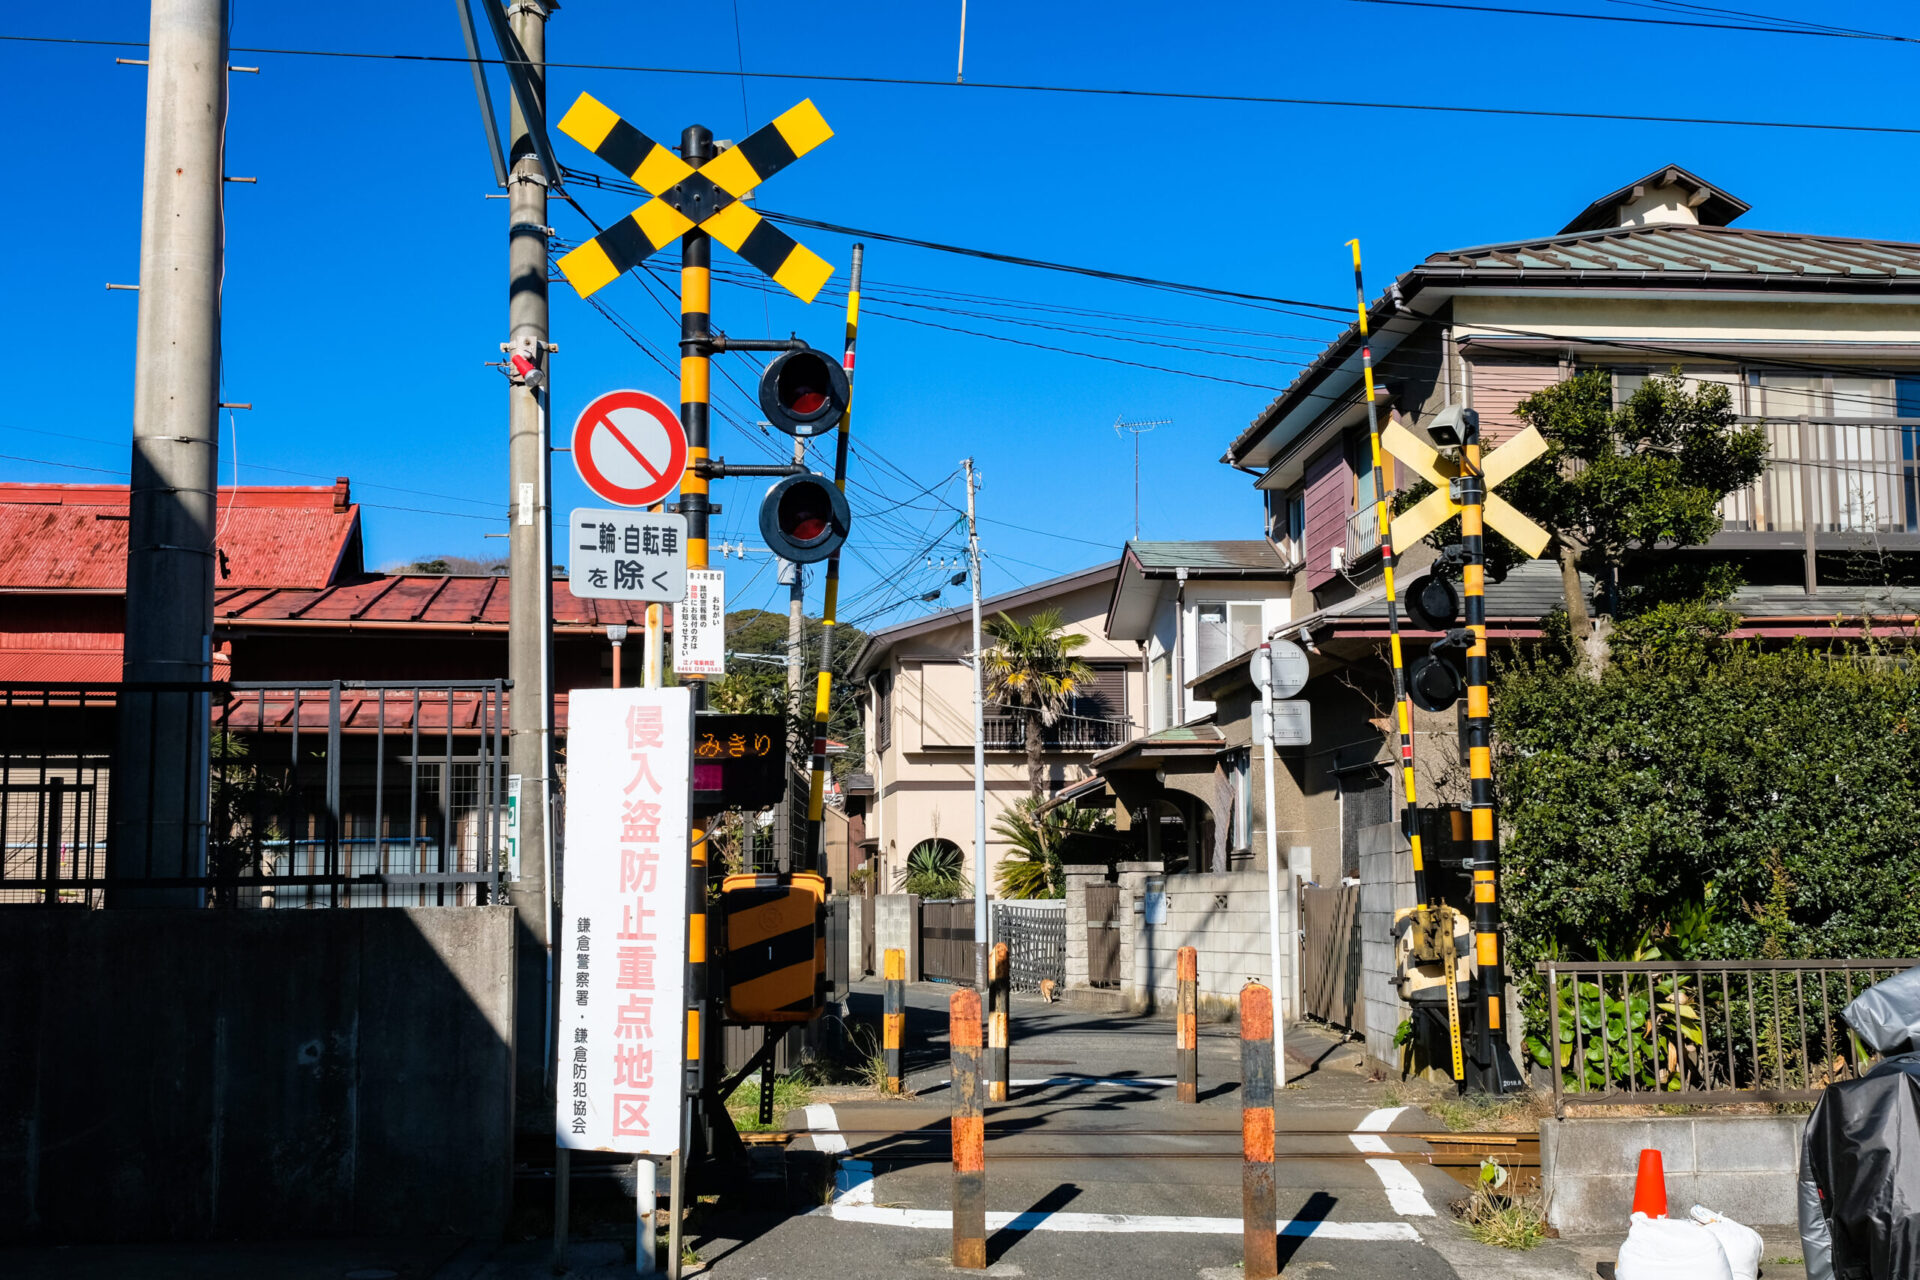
[(879, 643)]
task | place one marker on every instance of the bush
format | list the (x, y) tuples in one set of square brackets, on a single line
[(1708, 800)]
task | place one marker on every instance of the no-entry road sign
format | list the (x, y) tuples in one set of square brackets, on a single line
[(630, 448)]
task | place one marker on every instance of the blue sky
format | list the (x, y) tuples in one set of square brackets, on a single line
[(365, 273)]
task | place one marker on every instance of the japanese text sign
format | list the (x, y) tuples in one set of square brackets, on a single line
[(700, 625), (627, 555), (620, 951)]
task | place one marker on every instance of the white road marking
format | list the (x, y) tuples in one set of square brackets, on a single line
[(1098, 1082), (1403, 1189), (1111, 1223), (826, 1129)]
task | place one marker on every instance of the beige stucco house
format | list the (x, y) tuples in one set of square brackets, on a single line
[(916, 688)]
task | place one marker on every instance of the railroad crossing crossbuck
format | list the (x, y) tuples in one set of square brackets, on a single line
[(1428, 514), (710, 197)]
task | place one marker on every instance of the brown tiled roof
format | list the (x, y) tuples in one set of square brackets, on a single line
[(426, 600)]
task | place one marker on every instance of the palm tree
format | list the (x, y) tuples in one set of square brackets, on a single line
[(1036, 837), (1031, 668)]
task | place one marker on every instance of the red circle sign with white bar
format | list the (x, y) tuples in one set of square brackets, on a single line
[(630, 448)]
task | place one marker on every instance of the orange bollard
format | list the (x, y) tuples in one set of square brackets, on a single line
[(969, 1132), (999, 1007), (1259, 1209), (1186, 1030), (893, 1022)]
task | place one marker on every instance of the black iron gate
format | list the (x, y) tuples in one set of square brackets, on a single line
[(1103, 935), (1036, 939)]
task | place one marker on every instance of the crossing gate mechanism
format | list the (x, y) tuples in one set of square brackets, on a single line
[(776, 933), (711, 197)]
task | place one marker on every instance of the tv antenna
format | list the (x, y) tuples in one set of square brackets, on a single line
[(1136, 430)]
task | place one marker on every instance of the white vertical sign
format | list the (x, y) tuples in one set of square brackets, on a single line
[(622, 943), (700, 625)]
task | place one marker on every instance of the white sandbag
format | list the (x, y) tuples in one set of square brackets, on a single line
[(1671, 1249), (1741, 1243)]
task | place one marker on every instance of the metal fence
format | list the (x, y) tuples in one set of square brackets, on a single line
[(1036, 939), (1833, 475), (1703, 1031), (336, 793)]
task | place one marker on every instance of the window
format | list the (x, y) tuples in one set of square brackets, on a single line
[(1159, 692), (1287, 525), (1225, 629), (883, 710)]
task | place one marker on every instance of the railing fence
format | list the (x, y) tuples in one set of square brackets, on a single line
[(1704, 1031)]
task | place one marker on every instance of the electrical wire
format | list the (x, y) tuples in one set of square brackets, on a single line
[(992, 86), (1836, 33)]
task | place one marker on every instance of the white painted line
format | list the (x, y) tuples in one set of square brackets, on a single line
[(1403, 1189), (1380, 1120), (1111, 1223), (826, 1129), (1098, 1082)]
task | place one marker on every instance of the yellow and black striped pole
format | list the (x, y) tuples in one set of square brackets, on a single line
[(823, 688), (1472, 492), (696, 357), (1403, 705)]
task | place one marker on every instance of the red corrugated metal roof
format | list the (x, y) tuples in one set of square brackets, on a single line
[(401, 599), (73, 537), (61, 666)]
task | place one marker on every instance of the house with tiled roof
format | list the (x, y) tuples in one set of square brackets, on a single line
[(293, 599), (1817, 338)]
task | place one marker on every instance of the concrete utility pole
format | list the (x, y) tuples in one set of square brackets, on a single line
[(163, 759), (529, 624), (981, 941)]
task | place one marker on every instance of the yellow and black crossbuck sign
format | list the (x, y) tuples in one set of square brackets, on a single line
[(776, 966), (710, 198), (1428, 514)]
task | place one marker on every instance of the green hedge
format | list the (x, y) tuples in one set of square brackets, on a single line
[(1716, 802)]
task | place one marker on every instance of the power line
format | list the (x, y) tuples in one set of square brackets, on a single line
[(985, 85), (1832, 33)]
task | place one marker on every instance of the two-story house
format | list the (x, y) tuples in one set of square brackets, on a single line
[(915, 682), (1817, 337)]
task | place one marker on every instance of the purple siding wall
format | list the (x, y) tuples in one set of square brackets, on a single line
[(1328, 486)]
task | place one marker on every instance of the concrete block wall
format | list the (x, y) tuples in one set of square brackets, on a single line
[(1386, 886), (1078, 878), (192, 1075), (1742, 1166), (856, 922), (896, 923), (1224, 917)]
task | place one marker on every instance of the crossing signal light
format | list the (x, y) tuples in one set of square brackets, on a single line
[(804, 392), (1434, 682), (1432, 602), (804, 518)]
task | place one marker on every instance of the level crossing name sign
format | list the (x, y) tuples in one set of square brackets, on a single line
[(630, 448), (700, 625), (627, 555), (621, 946)]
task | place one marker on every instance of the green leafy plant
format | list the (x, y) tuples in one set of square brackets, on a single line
[(1495, 1217), (1036, 837), (1649, 1039), (933, 870), (1032, 668)]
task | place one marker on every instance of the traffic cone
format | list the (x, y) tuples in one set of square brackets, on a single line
[(1650, 1185)]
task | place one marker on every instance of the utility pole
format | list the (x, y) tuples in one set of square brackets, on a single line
[(1136, 430), (980, 930), (530, 583), (163, 757)]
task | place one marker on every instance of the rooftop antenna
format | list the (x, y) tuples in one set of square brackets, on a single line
[(1136, 430)]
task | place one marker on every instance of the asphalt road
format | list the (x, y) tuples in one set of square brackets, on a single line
[(1095, 1172)]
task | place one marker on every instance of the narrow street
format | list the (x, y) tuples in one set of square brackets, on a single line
[(1094, 1170)]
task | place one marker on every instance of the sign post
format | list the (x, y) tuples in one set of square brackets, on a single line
[(624, 921), (1265, 669)]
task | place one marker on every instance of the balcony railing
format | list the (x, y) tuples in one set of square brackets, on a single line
[(1068, 733), (1832, 475), (1363, 533)]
